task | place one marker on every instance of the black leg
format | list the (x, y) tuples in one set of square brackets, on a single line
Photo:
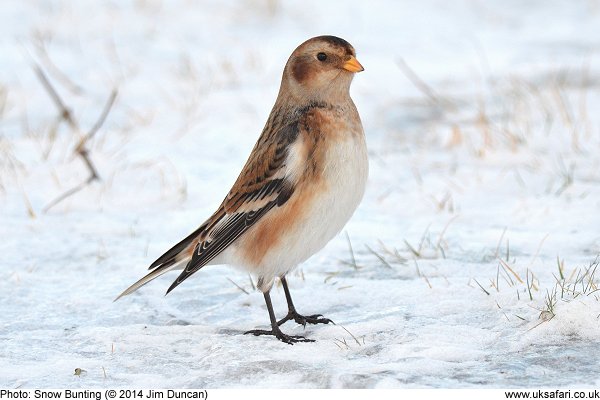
[(293, 314), (275, 331)]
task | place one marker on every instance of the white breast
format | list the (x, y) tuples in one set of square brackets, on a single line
[(344, 179)]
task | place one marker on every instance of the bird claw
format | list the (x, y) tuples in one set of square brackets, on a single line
[(289, 339), (304, 319)]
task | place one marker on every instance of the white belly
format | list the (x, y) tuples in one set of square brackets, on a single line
[(344, 177)]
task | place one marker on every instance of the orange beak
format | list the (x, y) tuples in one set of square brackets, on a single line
[(353, 65)]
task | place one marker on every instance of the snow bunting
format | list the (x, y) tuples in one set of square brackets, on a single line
[(302, 182)]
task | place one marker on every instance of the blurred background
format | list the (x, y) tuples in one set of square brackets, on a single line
[(124, 123)]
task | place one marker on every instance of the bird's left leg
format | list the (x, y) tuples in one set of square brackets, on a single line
[(293, 314), (275, 331)]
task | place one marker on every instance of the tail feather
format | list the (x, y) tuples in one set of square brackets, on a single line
[(149, 277), (171, 255), (169, 261)]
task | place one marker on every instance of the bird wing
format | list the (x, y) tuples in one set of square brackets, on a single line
[(262, 185)]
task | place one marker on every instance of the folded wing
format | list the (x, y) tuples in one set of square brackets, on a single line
[(261, 186)]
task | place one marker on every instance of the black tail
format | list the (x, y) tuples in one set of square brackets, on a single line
[(170, 257), (164, 263)]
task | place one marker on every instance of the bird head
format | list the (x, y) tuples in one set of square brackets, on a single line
[(320, 69)]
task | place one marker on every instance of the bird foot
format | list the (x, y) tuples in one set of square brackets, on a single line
[(304, 319), (289, 339)]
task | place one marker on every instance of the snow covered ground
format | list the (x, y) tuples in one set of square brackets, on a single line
[(471, 252)]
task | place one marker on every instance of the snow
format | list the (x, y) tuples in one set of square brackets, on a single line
[(490, 176)]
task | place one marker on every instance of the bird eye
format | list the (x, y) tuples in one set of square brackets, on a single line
[(321, 56)]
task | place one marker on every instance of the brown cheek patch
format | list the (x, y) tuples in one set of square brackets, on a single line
[(302, 70)]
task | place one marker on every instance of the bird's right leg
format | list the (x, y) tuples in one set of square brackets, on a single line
[(293, 314), (275, 331)]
